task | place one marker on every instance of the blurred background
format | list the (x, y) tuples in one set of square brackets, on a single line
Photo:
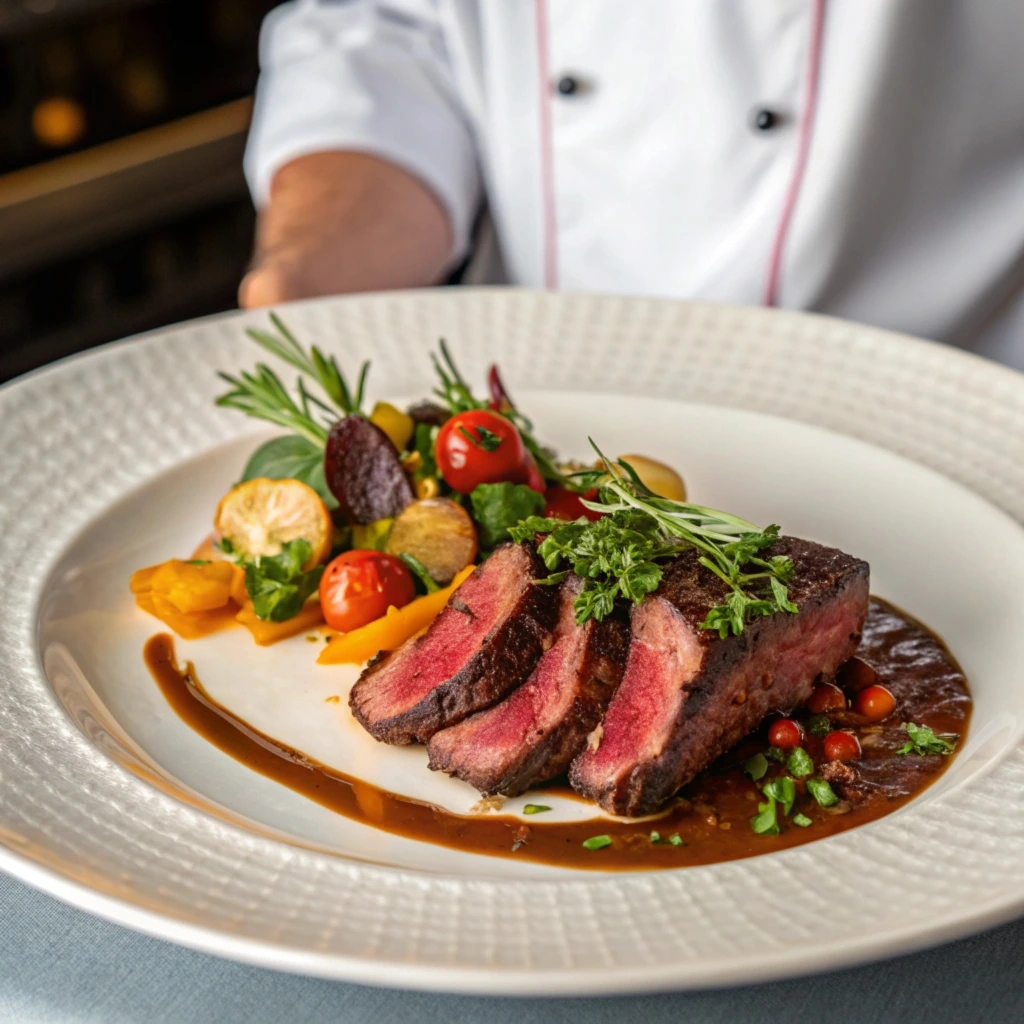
[(122, 201)]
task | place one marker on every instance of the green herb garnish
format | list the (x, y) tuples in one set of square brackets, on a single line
[(822, 792), (291, 457), (800, 763), (484, 439), (784, 791), (776, 754), (819, 726), (655, 837), (766, 821), (756, 766), (535, 808), (802, 820), (419, 570), (618, 554), (675, 840), (924, 741), (597, 842), (498, 508), (277, 585)]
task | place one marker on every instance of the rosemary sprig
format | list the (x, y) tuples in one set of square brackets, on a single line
[(262, 395), (618, 554)]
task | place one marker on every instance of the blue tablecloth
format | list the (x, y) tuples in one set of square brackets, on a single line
[(61, 965)]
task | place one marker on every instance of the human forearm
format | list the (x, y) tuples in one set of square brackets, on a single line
[(345, 222)]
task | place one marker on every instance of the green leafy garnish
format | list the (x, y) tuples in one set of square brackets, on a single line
[(261, 394), (756, 766), (655, 837), (676, 840), (482, 438), (597, 842), (277, 585), (423, 440), (291, 457), (802, 820), (498, 508), (618, 554), (800, 763), (776, 754), (819, 725), (766, 821), (535, 808), (419, 570), (784, 791), (822, 792), (924, 741)]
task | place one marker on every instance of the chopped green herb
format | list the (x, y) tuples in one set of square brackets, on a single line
[(756, 766), (419, 570), (597, 842), (802, 820), (800, 763), (484, 439), (819, 726), (924, 741), (277, 585), (776, 754), (675, 840), (784, 791), (535, 808), (655, 837), (766, 822), (822, 792), (498, 508)]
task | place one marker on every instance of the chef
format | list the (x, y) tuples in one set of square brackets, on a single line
[(863, 158)]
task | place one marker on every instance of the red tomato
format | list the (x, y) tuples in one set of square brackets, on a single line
[(874, 703), (359, 586), (565, 504), (480, 447), (825, 698), (842, 746), (534, 480), (785, 733)]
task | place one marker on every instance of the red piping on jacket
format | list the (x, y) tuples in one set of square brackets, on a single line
[(771, 288), (547, 168)]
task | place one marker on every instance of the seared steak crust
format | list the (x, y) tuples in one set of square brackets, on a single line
[(535, 732), (483, 645), (688, 696)]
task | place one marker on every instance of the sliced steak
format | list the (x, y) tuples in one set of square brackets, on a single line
[(484, 643), (687, 696), (535, 732)]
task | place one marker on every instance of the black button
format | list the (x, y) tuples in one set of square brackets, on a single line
[(764, 120), (567, 85)]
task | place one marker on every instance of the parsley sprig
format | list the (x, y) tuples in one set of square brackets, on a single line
[(618, 555), (924, 741)]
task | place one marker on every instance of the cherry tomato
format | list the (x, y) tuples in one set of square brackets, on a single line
[(785, 733), (842, 746), (565, 504), (480, 447), (874, 703), (826, 697), (359, 586)]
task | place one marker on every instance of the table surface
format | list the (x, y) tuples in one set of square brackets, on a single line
[(58, 964)]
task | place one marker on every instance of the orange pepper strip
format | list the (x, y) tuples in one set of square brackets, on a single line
[(188, 625), (390, 631), (266, 633)]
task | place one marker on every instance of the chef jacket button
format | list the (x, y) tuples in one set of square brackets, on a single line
[(567, 85), (764, 120)]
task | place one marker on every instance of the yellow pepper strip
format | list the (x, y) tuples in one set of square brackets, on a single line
[(396, 424), (267, 633), (392, 630)]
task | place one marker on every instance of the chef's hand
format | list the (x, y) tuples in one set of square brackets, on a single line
[(345, 222)]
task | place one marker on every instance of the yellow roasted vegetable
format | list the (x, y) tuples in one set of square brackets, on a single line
[(396, 424)]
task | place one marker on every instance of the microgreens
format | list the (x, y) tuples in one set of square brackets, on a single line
[(597, 842)]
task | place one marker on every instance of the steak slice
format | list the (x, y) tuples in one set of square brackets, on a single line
[(484, 643), (535, 732), (687, 696)]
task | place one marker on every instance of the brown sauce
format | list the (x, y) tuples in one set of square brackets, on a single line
[(711, 818)]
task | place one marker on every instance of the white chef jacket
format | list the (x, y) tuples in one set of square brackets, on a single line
[(618, 148)]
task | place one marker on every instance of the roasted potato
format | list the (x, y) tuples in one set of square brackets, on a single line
[(439, 533)]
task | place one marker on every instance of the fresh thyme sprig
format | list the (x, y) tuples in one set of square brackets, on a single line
[(262, 395), (618, 554)]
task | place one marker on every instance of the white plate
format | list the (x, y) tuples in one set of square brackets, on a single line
[(115, 460)]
